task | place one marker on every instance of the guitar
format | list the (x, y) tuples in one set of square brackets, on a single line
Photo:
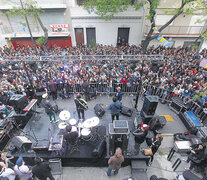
[(84, 104)]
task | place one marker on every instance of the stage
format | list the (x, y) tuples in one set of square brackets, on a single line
[(40, 132)]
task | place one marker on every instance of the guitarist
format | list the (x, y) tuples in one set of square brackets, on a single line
[(115, 108), (81, 106), (49, 109)]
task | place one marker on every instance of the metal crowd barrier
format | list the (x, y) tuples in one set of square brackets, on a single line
[(100, 88)]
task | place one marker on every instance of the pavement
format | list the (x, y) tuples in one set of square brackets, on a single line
[(160, 166)]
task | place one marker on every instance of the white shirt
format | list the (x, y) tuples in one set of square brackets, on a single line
[(22, 171), (9, 173)]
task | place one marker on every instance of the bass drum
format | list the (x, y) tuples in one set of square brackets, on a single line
[(86, 134)]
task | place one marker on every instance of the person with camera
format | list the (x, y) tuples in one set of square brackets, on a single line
[(42, 170)]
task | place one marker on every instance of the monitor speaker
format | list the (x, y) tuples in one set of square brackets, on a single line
[(150, 105), (98, 151), (99, 110)]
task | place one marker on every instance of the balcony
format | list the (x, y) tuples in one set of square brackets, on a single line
[(179, 31), (19, 31), (44, 4)]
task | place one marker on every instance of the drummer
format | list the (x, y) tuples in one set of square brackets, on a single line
[(71, 137)]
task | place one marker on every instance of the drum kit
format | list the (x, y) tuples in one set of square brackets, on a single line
[(86, 126)]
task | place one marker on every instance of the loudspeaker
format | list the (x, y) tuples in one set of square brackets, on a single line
[(18, 101), (99, 110), (126, 111), (56, 166), (98, 151), (22, 143), (150, 105)]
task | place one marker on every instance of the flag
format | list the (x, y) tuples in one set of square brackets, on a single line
[(162, 39), (159, 37), (169, 44)]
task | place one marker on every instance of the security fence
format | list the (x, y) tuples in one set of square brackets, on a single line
[(79, 58)]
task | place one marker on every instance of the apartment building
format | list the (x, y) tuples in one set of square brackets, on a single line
[(68, 23)]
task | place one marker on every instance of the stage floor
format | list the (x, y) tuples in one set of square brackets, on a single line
[(40, 130)]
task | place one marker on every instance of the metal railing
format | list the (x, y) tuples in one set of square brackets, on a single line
[(85, 58), (189, 30)]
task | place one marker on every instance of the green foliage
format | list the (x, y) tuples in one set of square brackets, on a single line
[(40, 40), (108, 8), (30, 8), (204, 36)]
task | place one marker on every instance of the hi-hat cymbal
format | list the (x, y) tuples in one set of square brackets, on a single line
[(62, 125)]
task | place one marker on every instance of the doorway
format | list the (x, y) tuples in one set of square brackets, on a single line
[(79, 36), (91, 36), (123, 36)]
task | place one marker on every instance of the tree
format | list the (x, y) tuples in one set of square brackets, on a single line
[(108, 8), (30, 9)]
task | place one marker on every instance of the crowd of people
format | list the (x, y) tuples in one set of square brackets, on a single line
[(20, 170), (179, 72)]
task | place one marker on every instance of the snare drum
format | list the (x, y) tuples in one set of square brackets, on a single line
[(86, 134)]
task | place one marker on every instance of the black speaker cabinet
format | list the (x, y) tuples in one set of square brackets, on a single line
[(18, 101), (99, 110), (117, 140), (101, 147), (150, 105)]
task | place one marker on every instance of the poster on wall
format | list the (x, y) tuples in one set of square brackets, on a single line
[(61, 29)]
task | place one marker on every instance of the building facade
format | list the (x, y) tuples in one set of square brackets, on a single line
[(69, 24)]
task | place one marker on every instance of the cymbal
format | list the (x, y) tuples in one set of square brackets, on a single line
[(92, 122), (62, 125), (72, 122), (64, 115)]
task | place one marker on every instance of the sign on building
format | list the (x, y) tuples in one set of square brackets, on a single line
[(59, 28)]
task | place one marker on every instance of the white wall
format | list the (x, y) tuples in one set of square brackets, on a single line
[(107, 32)]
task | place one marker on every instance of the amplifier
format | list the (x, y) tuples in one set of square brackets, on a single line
[(121, 126), (22, 142)]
